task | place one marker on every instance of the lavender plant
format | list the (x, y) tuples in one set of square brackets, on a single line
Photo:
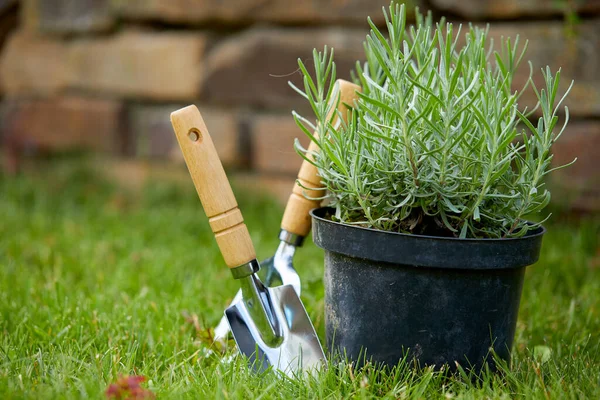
[(436, 143)]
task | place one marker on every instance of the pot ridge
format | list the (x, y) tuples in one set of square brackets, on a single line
[(424, 251)]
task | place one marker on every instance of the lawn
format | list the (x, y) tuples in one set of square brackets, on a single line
[(97, 282)]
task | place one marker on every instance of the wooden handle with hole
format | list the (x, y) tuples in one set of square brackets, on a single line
[(213, 187), (296, 218)]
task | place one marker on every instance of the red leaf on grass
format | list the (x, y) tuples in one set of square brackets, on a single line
[(128, 388)]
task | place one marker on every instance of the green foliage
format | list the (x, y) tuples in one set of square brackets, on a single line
[(437, 142)]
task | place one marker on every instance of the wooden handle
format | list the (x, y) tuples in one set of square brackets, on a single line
[(296, 218), (213, 187)]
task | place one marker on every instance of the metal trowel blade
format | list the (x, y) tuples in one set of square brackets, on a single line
[(300, 349)]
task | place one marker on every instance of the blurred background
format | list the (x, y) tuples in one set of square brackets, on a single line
[(102, 76), (107, 263)]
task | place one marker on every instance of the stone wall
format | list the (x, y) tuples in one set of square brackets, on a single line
[(103, 75)]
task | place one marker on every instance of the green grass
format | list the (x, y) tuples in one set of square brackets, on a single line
[(95, 283)]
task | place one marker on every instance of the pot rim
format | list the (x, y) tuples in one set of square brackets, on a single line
[(402, 249), (540, 231)]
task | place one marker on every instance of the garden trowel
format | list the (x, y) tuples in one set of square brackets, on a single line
[(296, 221), (270, 325)]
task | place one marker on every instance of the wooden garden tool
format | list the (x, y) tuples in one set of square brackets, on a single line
[(296, 222), (270, 325)]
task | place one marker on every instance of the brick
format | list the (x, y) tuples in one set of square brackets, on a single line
[(580, 140), (67, 16), (8, 22), (328, 11), (273, 139), (254, 67), (6, 5), (151, 130), (136, 173), (158, 66), (497, 9), (274, 186), (153, 134), (579, 183), (62, 124), (245, 11), (576, 56), (161, 66), (184, 11), (248, 68), (33, 65)]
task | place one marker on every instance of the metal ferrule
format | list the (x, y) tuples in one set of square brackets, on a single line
[(245, 270), (291, 238)]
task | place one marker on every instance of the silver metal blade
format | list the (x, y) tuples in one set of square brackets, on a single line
[(222, 330), (275, 271), (300, 349)]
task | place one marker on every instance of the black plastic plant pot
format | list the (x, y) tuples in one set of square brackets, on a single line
[(434, 299)]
